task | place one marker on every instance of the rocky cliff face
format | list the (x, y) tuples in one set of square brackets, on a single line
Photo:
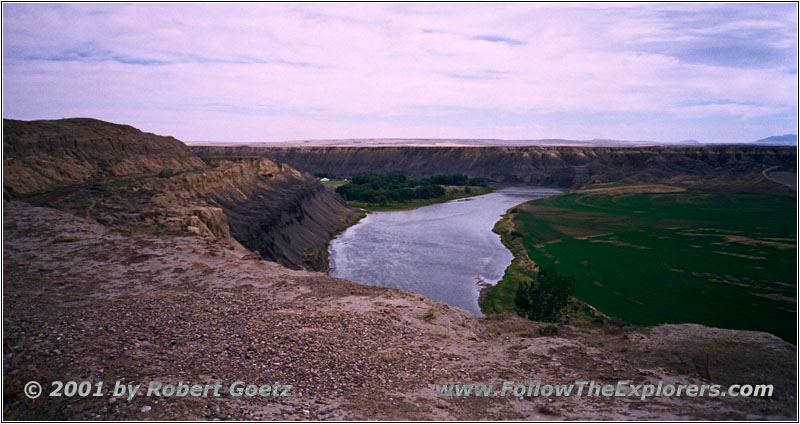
[(43, 155), (558, 166), (285, 215)]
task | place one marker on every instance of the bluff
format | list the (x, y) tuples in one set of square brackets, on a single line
[(42, 155), (144, 183), (721, 166), (285, 215)]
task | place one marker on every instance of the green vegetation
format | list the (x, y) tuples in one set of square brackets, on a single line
[(165, 173), (396, 192), (655, 254), (545, 296)]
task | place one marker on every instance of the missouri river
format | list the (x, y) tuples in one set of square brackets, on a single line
[(443, 251)]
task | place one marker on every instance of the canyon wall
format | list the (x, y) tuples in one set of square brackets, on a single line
[(725, 165), (285, 215)]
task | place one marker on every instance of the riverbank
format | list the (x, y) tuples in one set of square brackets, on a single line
[(360, 214), (499, 298)]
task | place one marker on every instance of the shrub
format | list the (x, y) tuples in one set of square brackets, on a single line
[(166, 173), (543, 298), (478, 181), (548, 330)]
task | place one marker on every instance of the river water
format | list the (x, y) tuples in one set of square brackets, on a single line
[(442, 251)]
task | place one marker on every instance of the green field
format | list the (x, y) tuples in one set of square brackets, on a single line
[(710, 257)]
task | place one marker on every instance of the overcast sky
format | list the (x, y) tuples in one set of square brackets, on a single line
[(245, 72)]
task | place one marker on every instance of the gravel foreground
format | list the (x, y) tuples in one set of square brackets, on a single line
[(83, 302)]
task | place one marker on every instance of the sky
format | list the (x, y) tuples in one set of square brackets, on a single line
[(268, 72)]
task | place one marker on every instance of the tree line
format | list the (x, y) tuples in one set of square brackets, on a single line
[(382, 189)]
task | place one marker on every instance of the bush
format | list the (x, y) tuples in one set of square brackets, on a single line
[(478, 181), (548, 330), (543, 298), (383, 189), (429, 191), (166, 173)]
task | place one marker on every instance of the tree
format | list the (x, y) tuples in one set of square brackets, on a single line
[(383, 189), (478, 181), (543, 298)]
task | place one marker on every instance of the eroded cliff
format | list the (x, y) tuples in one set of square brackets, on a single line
[(285, 215), (719, 166), (42, 155)]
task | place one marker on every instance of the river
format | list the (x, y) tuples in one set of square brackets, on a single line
[(442, 251)]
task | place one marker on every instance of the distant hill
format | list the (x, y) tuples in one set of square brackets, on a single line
[(432, 142), (734, 165), (778, 140)]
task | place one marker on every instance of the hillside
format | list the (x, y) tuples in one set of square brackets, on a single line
[(700, 166), (779, 140), (280, 213), (41, 155)]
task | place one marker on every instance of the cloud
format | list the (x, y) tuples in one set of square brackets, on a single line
[(477, 75), (499, 39), (238, 71)]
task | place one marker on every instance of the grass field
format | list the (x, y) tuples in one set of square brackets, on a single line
[(655, 254)]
